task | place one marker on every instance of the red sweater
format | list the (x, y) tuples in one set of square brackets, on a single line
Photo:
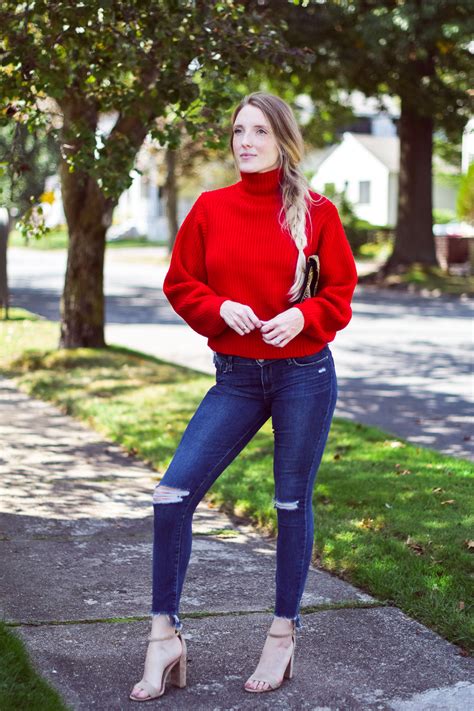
[(230, 246)]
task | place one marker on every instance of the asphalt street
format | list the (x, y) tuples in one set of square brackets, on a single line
[(404, 363)]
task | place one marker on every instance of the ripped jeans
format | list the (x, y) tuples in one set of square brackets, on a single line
[(299, 394)]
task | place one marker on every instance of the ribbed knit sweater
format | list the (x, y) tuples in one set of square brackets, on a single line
[(231, 246)]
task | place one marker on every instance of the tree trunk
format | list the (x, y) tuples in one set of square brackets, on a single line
[(88, 216), (414, 240), (171, 197), (4, 232)]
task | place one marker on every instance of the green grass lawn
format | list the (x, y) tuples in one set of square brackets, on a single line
[(20, 686), (434, 280), (57, 238), (390, 517), (418, 277)]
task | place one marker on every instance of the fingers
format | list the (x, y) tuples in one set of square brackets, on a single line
[(239, 317), (254, 319), (279, 330), (276, 338), (244, 324), (275, 334), (247, 321)]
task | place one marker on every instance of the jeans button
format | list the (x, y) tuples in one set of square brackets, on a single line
[(260, 360)]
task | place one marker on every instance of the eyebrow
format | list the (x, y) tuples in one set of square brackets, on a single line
[(257, 125)]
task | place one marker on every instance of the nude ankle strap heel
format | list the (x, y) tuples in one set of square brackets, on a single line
[(272, 681), (176, 671), (159, 639)]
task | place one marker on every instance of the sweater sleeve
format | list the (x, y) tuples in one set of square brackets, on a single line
[(185, 285), (330, 310)]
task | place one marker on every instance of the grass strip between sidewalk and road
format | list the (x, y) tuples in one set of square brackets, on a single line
[(390, 517), (57, 238)]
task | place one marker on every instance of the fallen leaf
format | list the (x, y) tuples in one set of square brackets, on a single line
[(416, 547), (448, 501), (461, 604), (437, 489), (469, 544)]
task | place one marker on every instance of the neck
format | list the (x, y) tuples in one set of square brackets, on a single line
[(266, 183)]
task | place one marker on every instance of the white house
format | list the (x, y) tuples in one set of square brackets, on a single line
[(366, 167), (467, 146)]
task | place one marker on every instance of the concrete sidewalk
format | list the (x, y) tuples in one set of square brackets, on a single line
[(76, 525)]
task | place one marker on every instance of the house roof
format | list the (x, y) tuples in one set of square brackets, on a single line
[(313, 159), (385, 148)]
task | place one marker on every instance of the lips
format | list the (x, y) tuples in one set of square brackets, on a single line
[(248, 155)]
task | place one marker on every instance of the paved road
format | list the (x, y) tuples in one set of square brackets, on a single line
[(404, 363)]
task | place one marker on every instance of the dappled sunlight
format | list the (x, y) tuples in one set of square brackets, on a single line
[(73, 481), (388, 516)]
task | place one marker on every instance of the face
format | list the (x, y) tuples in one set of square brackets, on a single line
[(253, 141)]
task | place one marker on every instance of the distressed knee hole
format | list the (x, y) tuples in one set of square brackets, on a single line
[(168, 494), (287, 505)]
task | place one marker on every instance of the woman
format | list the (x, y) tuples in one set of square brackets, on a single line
[(235, 276)]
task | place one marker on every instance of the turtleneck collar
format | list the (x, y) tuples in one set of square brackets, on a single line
[(266, 183)]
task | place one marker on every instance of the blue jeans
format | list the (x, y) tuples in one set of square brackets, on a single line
[(299, 394)]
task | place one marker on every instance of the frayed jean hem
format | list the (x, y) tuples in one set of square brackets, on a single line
[(174, 619), (296, 619)]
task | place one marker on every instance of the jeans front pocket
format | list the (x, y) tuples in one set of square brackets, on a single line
[(309, 360)]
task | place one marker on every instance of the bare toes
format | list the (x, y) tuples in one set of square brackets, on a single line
[(139, 692)]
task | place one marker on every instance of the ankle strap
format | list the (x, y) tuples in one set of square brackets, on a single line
[(287, 634), (159, 639)]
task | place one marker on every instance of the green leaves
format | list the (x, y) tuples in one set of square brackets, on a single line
[(141, 59)]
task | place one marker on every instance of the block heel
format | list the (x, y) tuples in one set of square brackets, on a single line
[(175, 669)]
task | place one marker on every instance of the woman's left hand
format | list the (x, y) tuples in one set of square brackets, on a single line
[(279, 330)]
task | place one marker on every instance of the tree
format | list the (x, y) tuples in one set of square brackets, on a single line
[(418, 51), (136, 60)]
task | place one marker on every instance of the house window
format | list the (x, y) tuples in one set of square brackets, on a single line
[(364, 192), (161, 202), (144, 189)]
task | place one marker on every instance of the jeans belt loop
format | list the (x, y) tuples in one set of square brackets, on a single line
[(230, 362)]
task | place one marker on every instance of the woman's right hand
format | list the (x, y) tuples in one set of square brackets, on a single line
[(239, 317)]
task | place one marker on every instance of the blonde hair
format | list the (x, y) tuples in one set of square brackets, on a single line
[(294, 186)]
